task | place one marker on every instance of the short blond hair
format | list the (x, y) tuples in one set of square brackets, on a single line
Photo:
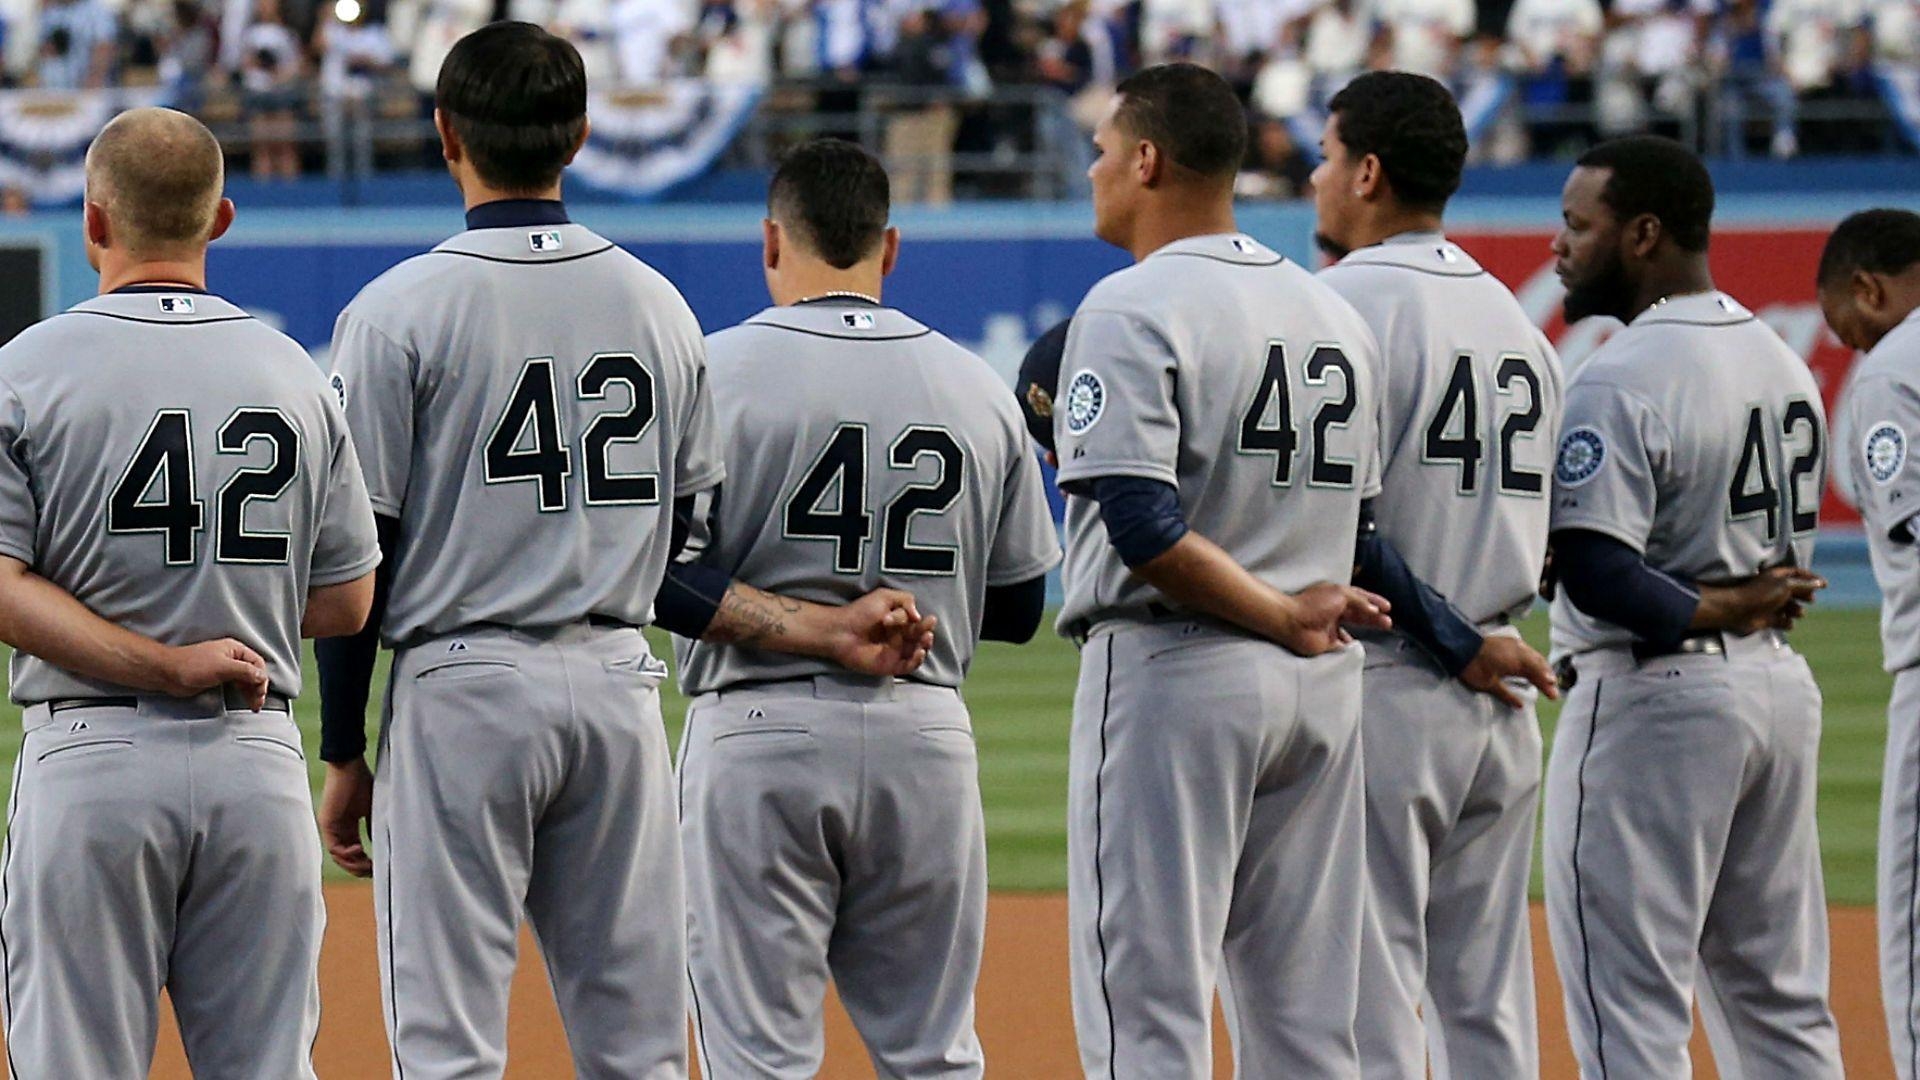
[(158, 174)]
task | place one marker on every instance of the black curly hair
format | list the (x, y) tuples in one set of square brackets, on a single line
[(1878, 241), (1412, 124)]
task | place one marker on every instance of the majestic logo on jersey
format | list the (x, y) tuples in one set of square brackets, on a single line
[(339, 388), (177, 305), (857, 320), (544, 241), (1086, 398), (1886, 450), (1582, 452)]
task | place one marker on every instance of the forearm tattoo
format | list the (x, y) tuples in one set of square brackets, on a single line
[(749, 616)]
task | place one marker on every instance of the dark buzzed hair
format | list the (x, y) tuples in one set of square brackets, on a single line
[(158, 173), (1877, 241), (1658, 176), (1190, 113), (517, 97), (835, 195), (1412, 124)]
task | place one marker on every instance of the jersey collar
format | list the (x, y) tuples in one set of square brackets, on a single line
[(517, 214), (1237, 248), (1711, 308), (167, 290)]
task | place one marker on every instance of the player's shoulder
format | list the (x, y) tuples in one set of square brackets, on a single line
[(1896, 358), (1184, 269)]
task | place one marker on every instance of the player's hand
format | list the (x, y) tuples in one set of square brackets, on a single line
[(1322, 612), (1504, 657), (346, 800), (192, 669), (882, 633), (1770, 600)]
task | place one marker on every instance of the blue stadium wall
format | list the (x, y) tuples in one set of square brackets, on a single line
[(991, 276)]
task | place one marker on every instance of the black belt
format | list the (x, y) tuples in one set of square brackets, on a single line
[(1705, 643), (1152, 610), (275, 703)]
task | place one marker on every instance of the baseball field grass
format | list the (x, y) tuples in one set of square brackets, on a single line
[(1021, 699)]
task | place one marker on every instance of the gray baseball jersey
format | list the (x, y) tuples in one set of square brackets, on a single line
[(1882, 413), (1251, 391), (1470, 407), (1218, 367), (867, 450), (1696, 437), (1879, 414), (187, 483), (1470, 394), (1681, 857), (504, 436), (183, 471)]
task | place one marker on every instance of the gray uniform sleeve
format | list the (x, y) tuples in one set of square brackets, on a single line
[(374, 378), (1613, 451), (19, 513), (1026, 545), (1886, 474), (346, 546), (1373, 468), (1114, 413), (698, 463)]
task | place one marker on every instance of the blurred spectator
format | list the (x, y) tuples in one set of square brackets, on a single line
[(1896, 31), (919, 139), (644, 36), (735, 38), (272, 70), (188, 50), (1339, 35), (1650, 60), (1553, 46), (355, 52), (1426, 35), (1751, 73), (14, 202), (1277, 168), (1174, 29), (77, 43)]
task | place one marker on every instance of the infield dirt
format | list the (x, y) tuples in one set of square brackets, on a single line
[(1025, 1020)]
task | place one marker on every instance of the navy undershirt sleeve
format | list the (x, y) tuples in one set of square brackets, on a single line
[(346, 663), (1418, 611), (1013, 612), (1142, 516), (691, 592), (1609, 580)]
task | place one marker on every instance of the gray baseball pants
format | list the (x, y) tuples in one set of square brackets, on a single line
[(833, 828), (1453, 779), (1682, 859), (1899, 872), (528, 772), (1215, 839), (167, 845)]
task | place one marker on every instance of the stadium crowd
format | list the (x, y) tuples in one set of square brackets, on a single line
[(1738, 75)]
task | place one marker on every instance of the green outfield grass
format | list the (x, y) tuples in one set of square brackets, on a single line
[(1021, 698)]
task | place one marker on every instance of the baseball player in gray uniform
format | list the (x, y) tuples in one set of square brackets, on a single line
[(174, 473), (1214, 422), (1680, 848), (831, 823), (1869, 287), (1470, 403), (530, 406)]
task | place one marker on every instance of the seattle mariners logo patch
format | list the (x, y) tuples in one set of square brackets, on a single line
[(339, 388), (1086, 398), (1582, 452), (1886, 450)]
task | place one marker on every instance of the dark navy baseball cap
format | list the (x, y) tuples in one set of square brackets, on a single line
[(1039, 377)]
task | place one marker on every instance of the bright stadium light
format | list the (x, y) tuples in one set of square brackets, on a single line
[(347, 10)]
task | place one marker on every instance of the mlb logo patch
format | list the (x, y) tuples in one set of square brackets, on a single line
[(176, 305), (1244, 246), (857, 320), (544, 241)]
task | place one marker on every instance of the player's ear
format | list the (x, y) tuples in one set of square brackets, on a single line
[(1369, 181), (99, 230), (1643, 235), (889, 250), (222, 220), (1869, 291), (586, 129), (450, 147), (1148, 163), (769, 244)]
